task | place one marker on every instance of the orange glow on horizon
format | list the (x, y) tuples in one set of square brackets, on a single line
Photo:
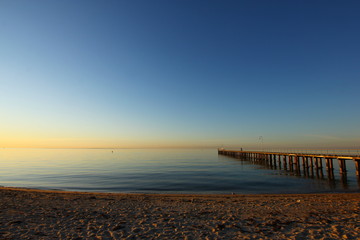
[(95, 143)]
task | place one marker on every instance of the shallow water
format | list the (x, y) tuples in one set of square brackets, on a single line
[(155, 171)]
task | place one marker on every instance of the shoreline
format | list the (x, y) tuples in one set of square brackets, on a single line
[(162, 193), (47, 214), (29, 189)]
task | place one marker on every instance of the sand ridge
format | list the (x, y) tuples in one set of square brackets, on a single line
[(41, 214)]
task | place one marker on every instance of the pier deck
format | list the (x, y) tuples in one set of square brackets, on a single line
[(296, 162)]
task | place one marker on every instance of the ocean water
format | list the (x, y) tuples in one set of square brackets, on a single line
[(156, 171)]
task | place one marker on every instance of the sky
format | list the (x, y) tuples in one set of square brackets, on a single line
[(134, 74)]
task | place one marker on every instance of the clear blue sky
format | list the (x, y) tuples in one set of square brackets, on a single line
[(179, 73)]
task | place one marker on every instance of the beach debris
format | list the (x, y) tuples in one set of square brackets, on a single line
[(220, 226), (40, 234), (15, 222)]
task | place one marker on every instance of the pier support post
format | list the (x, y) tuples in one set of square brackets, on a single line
[(285, 162), (311, 166), (279, 161), (303, 163), (270, 159), (312, 162), (321, 163), (291, 163), (342, 166), (274, 159), (318, 166), (297, 165), (330, 167), (357, 167)]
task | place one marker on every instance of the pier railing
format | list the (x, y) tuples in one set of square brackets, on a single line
[(318, 151), (297, 161)]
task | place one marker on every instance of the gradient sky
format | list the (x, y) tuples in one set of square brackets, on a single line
[(179, 73)]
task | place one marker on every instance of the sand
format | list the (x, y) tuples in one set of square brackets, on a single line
[(37, 214)]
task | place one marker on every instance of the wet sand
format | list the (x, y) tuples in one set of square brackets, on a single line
[(37, 214)]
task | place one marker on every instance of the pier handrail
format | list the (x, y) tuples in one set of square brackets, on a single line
[(322, 155)]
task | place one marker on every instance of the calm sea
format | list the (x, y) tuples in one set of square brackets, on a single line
[(155, 171)]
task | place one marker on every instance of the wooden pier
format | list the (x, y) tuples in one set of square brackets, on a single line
[(299, 163)]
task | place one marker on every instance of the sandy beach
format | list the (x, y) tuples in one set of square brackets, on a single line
[(38, 214)]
